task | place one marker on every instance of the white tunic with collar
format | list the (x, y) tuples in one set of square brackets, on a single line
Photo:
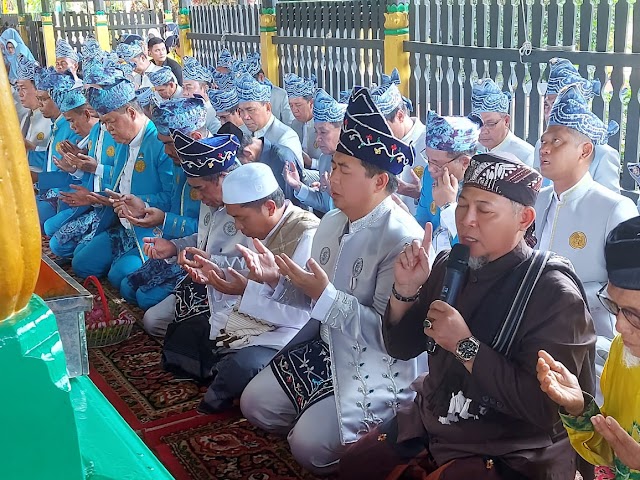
[(369, 385), (280, 134), (575, 224), (39, 130), (515, 145)]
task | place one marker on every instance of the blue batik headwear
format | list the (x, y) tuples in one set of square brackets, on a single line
[(105, 73), (487, 97), (192, 70), (366, 135), (572, 110), (64, 50), (161, 77), (91, 51), (251, 90), (183, 114), (45, 78), (224, 81), (634, 171), (25, 68), (343, 96), (299, 87), (326, 109), (208, 156), (108, 99), (223, 100), (562, 73), (127, 51), (452, 134), (225, 59), (387, 97), (384, 91), (144, 96), (252, 65), (63, 93)]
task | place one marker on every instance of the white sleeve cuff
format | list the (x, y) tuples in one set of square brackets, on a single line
[(314, 164), (323, 306), (99, 171)]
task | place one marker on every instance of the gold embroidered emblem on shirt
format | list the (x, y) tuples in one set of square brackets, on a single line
[(433, 209), (40, 136), (419, 171), (193, 195), (58, 148), (89, 145), (577, 240), (111, 151), (140, 166)]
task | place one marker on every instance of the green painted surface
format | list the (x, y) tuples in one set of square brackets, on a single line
[(57, 429), (39, 438)]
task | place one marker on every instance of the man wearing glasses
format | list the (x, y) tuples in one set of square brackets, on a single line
[(450, 144), (607, 436), (575, 215), (493, 106)]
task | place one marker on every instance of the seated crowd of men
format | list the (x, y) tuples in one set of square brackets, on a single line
[(260, 230)]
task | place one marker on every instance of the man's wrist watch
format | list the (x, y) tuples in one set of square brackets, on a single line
[(467, 349)]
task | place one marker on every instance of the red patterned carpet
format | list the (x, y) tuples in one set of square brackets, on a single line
[(161, 409)]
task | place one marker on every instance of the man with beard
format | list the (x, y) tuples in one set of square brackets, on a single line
[(479, 412), (608, 436)]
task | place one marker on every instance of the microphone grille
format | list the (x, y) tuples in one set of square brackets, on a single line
[(458, 257)]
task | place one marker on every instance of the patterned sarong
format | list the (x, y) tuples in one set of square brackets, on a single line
[(304, 373)]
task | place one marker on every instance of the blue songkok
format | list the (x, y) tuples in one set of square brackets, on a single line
[(387, 97), (192, 70), (45, 78), (366, 135), (161, 77), (63, 93), (25, 68), (572, 110), (224, 81), (487, 97), (326, 109), (105, 73), (207, 156), (251, 90), (252, 65), (127, 51), (183, 114), (223, 100), (225, 59), (452, 134), (562, 73), (144, 96), (91, 51), (343, 96), (387, 80), (299, 87), (64, 50), (108, 99)]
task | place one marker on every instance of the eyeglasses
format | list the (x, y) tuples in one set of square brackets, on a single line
[(437, 166), (491, 125), (614, 309)]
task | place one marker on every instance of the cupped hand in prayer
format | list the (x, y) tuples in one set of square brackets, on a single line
[(230, 282), (559, 384), (159, 248), (80, 197), (312, 282), (412, 268), (411, 188), (625, 447), (291, 176), (152, 217), (261, 263)]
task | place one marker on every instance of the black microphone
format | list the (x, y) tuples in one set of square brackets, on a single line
[(457, 265)]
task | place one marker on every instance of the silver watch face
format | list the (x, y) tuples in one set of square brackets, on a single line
[(467, 349)]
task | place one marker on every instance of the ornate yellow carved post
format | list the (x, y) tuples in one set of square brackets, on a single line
[(396, 32), (49, 37), (268, 49), (102, 30), (184, 24), (168, 16)]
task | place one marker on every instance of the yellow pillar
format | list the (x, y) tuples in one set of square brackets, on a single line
[(102, 30), (22, 29), (396, 32), (49, 37), (168, 16), (184, 25), (268, 49)]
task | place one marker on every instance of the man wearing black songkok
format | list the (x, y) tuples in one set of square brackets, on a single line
[(479, 413)]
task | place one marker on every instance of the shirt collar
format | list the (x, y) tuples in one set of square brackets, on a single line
[(415, 130), (370, 218), (137, 140), (503, 143), (576, 191), (262, 131)]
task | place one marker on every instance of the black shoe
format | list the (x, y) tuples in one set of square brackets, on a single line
[(219, 407)]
